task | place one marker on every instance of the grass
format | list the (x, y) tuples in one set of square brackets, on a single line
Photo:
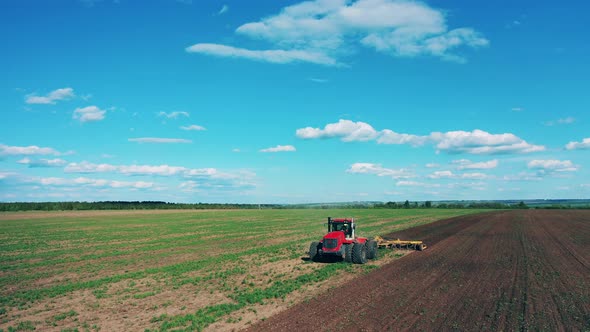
[(229, 260), (65, 315)]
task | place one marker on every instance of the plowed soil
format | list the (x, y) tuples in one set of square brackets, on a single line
[(510, 270)]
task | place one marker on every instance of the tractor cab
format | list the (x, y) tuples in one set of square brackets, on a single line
[(342, 225)]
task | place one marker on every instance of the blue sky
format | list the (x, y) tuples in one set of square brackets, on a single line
[(291, 102)]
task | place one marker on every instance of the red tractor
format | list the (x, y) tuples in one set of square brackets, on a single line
[(342, 242)]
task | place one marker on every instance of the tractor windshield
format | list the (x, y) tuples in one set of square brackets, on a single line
[(345, 227)]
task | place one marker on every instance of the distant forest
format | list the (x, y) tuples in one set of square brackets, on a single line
[(156, 205), (122, 205)]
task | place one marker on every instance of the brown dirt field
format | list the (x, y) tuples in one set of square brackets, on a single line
[(509, 270), (243, 318)]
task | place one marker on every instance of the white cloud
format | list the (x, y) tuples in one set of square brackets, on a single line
[(553, 165), (4, 175), (86, 167), (474, 176), (482, 142), (52, 97), (192, 186), (568, 120), (224, 9), (272, 56), (236, 150), (470, 185), (193, 127), (376, 169), (189, 186), (390, 137), (159, 140), (442, 175), (467, 164), (403, 43), (89, 114), (583, 145), (347, 130), (406, 183), (432, 165), (280, 148), (321, 31), (200, 172), (461, 161), (451, 175), (92, 182), (208, 181), (410, 183), (474, 142), (6, 150), (517, 109), (204, 180), (42, 162), (136, 185), (318, 80), (54, 181), (161, 170), (173, 115), (523, 176)]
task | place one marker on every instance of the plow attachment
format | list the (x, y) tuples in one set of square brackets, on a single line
[(400, 244)]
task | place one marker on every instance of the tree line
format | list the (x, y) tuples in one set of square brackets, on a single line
[(123, 205), (458, 205), (158, 205)]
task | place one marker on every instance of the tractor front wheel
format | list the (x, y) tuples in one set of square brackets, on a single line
[(359, 253), (348, 253), (313, 251)]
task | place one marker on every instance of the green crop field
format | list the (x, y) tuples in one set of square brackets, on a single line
[(172, 270)]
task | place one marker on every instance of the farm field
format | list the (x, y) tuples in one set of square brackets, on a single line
[(497, 271), (169, 270)]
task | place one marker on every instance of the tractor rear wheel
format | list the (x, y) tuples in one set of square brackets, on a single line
[(313, 251), (371, 249), (348, 253), (359, 253)]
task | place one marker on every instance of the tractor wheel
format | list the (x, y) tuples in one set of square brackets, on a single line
[(359, 253), (420, 247), (348, 253), (313, 251), (371, 249)]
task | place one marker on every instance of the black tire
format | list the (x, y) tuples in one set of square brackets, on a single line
[(420, 247), (371, 249), (348, 253), (313, 251), (359, 253)]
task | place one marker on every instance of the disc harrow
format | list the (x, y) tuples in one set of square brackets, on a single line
[(400, 244)]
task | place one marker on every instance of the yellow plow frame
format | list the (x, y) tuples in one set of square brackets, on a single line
[(400, 244)]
